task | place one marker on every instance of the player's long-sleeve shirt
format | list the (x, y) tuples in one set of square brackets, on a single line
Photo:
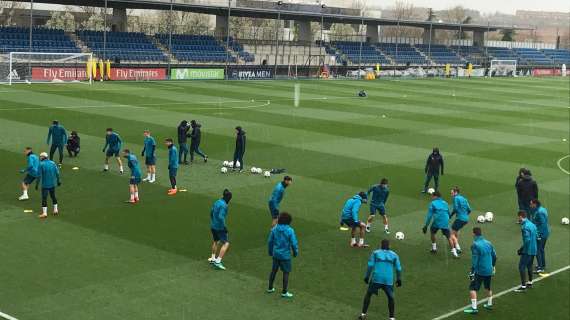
[(240, 141), (438, 211), (282, 241), (196, 134), (277, 195), (57, 135), (33, 167), (149, 147), (133, 164), (540, 220), (49, 174), (434, 164), (351, 208), (379, 193), (461, 208), (381, 266), (218, 215), (483, 257), (529, 236), (172, 157), (113, 141)]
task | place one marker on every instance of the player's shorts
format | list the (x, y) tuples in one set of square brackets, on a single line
[(445, 232), (112, 153), (135, 180), (374, 287), (380, 208), (150, 161), (284, 265), (350, 223), (172, 172), (28, 179), (475, 285), (273, 211), (458, 225), (220, 235)]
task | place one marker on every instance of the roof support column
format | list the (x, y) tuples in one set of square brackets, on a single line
[(221, 26), (372, 34), (119, 20), (305, 33), (478, 38)]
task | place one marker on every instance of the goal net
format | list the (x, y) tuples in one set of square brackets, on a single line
[(503, 68), (31, 67)]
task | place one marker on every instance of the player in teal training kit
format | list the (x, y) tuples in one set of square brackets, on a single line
[(135, 179), (218, 215), (462, 209), (349, 217), (172, 166), (380, 193), (380, 275), (527, 252), (112, 148), (280, 244), (32, 172), (49, 179), (483, 260), (277, 197), (58, 137), (540, 220), (148, 153), (438, 211)]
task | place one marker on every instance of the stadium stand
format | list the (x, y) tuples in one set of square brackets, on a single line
[(289, 53), (351, 51), (471, 54), (43, 40), (501, 53), (196, 48), (533, 57), (238, 48), (402, 53), (126, 46), (440, 54), (558, 56)]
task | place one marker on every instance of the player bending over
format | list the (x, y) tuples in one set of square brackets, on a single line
[(218, 215), (112, 148), (438, 211), (149, 157), (527, 251), (73, 144), (58, 136), (172, 166), (276, 197), (135, 178), (462, 209), (281, 244), (32, 172), (381, 265), (349, 217), (483, 260), (380, 194), (49, 178)]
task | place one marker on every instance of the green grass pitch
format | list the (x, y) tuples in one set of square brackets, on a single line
[(103, 259)]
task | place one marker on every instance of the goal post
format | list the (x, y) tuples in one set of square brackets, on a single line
[(503, 68), (46, 67)]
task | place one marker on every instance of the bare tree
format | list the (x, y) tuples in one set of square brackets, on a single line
[(403, 10), (7, 11), (62, 20)]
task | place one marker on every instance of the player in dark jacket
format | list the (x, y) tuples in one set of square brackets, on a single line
[(527, 189), (240, 148), (73, 144), (434, 165), (195, 139), (183, 129)]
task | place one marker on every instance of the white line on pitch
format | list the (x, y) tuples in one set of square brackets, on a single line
[(560, 166), (502, 293), (6, 316)]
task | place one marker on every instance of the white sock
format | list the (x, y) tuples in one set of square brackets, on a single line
[(137, 194), (148, 176), (106, 167), (454, 251), (55, 208), (132, 196), (120, 168), (25, 193), (458, 247), (490, 301), (368, 224), (44, 210), (352, 241), (361, 241), (434, 246), (153, 176), (385, 227), (218, 260), (474, 303), (213, 256)]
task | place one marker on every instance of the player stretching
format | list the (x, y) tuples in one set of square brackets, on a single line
[(380, 194), (195, 138), (58, 136), (483, 259), (434, 165), (149, 157), (113, 142), (438, 211), (49, 178), (462, 209), (172, 166), (381, 265), (349, 218), (540, 219), (218, 215), (527, 251), (281, 243), (32, 172), (276, 197), (135, 179)]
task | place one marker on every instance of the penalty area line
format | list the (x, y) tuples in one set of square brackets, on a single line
[(502, 293), (6, 316), (559, 164)]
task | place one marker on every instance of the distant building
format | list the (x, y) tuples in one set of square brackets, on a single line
[(553, 17)]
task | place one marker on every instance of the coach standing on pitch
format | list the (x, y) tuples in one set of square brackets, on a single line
[(434, 164), (183, 129), (240, 148), (527, 189)]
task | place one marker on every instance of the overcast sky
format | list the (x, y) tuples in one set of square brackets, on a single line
[(506, 6)]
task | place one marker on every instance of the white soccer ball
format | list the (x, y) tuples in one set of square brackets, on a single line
[(230, 164), (489, 216), (224, 170), (431, 190), (237, 164), (400, 235), (259, 170), (253, 170), (226, 163), (267, 174), (565, 221), (481, 219)]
